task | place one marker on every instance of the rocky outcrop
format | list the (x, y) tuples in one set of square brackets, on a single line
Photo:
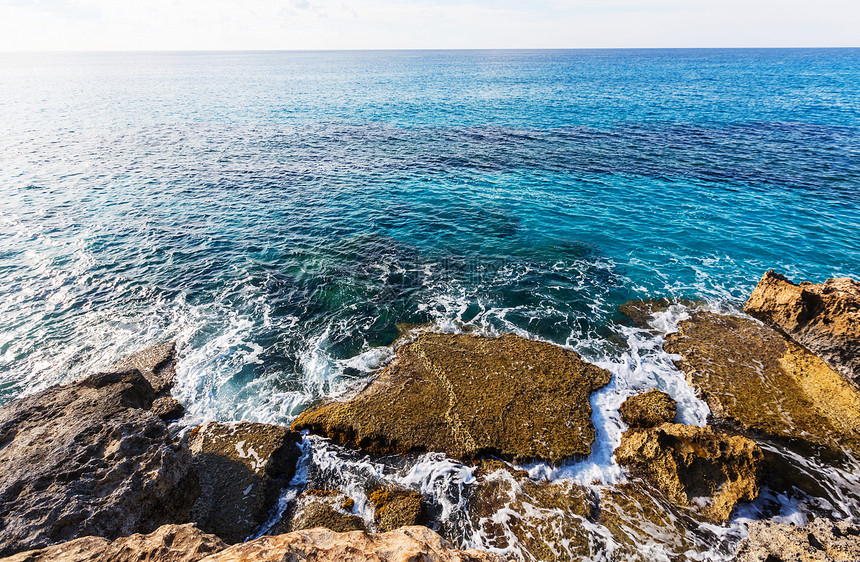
[(406, 544), (156, 363), (823, 540), (395, 507), (323, 508), (648, 409), (825, 318), (89, 458), (169, 543), (756, 379), (469, 396), (243, 467), (640, 313), (690, 463)]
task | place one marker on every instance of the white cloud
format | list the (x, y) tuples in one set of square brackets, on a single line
[(402, 24)]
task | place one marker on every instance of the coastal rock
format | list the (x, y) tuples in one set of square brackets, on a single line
[(167, 408), (327, 509), (406, 544), (396, 508), (648, 409), (823, 318), (690, 463), (469, 396), (754, 378), (641, 312), (242, 467), (89, 458), (169, 543), (157, 363), (548, 520), (823, 540)]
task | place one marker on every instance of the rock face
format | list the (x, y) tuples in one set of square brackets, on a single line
[(169, 543), (468, 396), (688, 462), (89, 458), (822, 540), (648, 409), (407, 544), (156, 363), (760, 381), (825, 318), (328, 509), (396, 508), (242, 468)]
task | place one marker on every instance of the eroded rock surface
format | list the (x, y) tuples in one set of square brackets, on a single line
[(395, 507), (157, 363), (691, 464), (407, 544), (823, 318), (822, 540), (649, 409), (89, 458), (169, 543), (328, 509), (242, 467), (757, 379), (468, 396)]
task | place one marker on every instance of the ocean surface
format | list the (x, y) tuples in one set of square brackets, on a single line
[(284, 216)]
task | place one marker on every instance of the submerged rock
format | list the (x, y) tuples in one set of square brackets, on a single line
[(825, 318), (547, 520), (695, 466), (823, 540), (469, 396), (169, 543), (641, 312), (406, 544), (755, 378), (648, 409), (243, 467), (395, 507), (89, 458), (323, 508)]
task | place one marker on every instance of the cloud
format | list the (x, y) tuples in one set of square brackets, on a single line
[(401, 24)]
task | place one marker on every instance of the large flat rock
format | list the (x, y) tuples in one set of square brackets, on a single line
[(89, 458), (823, 540), (755, 378), (468, 396), (824, 318)]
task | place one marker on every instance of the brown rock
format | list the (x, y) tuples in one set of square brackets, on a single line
[(328, 509), (822, 540), (825, 318), (406, 544), (242, 469), (396, 508), (548, 521), (641, 312), (469, 396), (688, 462), (157, 363), (757, 379), (89, 458), (648, 409), (167, 408), (169, 543)]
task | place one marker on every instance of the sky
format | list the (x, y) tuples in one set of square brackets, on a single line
[(27, 25)]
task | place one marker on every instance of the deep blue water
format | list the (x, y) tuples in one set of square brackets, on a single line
[(283, 215)]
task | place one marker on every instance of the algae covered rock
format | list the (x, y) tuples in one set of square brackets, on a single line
[(824, 318), (324, 508), (89, 458), (823, 540), (695, 465), (469, 396), (406, 544), (752, 376), (395, 507), (648, 409), (168, 543), (242, 466)]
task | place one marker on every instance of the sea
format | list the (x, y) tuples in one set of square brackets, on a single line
[(285, 217)]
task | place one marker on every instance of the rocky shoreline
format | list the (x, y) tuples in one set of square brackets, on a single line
[(92, 470)]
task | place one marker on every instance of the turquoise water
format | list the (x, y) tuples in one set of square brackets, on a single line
[(281, 214)]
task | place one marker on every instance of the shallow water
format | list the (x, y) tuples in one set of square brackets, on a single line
[(280, 215)]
